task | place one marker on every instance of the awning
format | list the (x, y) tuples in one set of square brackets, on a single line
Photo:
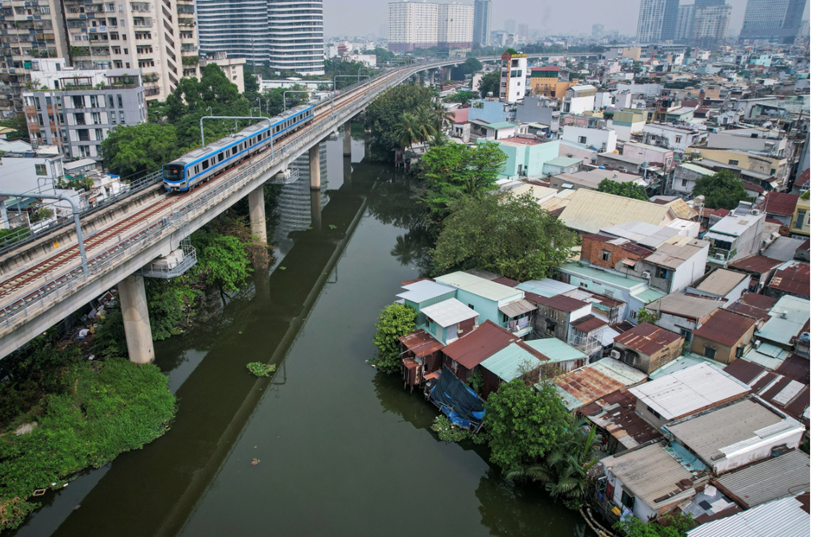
[(630, 262), (516, 309), (719, 237)]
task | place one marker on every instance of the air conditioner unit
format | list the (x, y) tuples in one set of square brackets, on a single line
[(646, 274), (615, 354), (719, 257)]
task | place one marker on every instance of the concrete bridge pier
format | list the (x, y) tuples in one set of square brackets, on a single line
[(314, 167), (136, 319), (257, 213), (317, 210), (346, 141)]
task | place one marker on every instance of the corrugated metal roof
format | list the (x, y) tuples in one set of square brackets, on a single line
[(510, 362), (642, 233), (755, 263), (617, 415), (735, 225), (556, 350), (647, 338), (590, 210), (514, 309), (588, 324), (689, 390), (721, 282), (792, 277), (449, 312), (733, 426), (787, 319), (780, 518), (602, 276), (697, 169), (479, 344), (480, 286), (673, 256), (421, 343), (423, 290), (546, 287), (559, 302), (649, 472), (725, 327), (591, 382), (647, 296), (688, 306), (684, 362)]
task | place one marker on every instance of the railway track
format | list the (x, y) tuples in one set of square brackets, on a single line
[(100, 243)]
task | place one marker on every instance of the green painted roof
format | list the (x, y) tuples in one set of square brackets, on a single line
[(683, 362), (509, 362), (697, 169), (600, 275), (564, 161), (649, 295), (556, 350), (502, 125)]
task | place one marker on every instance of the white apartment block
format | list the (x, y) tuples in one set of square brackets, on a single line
[(413, 25), (513, 77)]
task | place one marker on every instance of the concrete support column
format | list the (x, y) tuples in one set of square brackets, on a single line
[(317, 210), (257, 213), (346, 141), (347, 169), (314, 167), (367, 145), (136, 319)]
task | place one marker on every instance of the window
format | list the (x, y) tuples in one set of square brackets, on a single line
[(733, 162), (121, 117), (119, 98), (799, 219), (205, 164), (99, 135), (710, 352), (679, 139), (40, 169), (684, 182), (581, 139), (652, 411), (110, 101), (627, 500), (605, 255), (96, 117), (94, 103), (551, 326), (662, 273)]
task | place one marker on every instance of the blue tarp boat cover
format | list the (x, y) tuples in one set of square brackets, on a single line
[(458, 402)]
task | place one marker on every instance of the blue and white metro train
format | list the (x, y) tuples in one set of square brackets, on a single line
[(202, 164)]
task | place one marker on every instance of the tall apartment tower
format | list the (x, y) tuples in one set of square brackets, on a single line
[(288, 35), (684, 22), (710, 21), (482, 22), (775, 20), (657, 20), (28, 34), (416, 25)]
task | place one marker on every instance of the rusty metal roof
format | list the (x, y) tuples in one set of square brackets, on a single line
[(792, 278), (725, 327), (421, 343), (754, 305), (796, 367), (479, 344), (615, 413), (647, 338), (756, 264), (588, 323), (593, 381), (562, 303), (743, 370)]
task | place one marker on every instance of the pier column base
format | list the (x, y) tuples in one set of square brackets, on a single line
[(314, 167), (316, 210), (257, 213), (346, 141), (136, 320)]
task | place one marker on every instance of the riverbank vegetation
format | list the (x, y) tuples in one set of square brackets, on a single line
[(63, 413), (395, 321)]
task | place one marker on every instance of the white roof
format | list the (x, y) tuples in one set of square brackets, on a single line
[(781, 518), (424, 290), (688, 390), (735, 224), (479, 286), (449, 312)]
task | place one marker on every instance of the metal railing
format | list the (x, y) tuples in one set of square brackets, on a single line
[(54, 289)]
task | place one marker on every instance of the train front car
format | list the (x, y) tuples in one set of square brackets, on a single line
[(174, 177)]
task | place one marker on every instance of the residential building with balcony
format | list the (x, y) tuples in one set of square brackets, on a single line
[(232, 67), (417, 25), (158, 37), (800, 222), (77, 108), (513, 77), (578, 99), (27, 34)]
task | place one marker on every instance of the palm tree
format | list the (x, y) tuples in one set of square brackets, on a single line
[(424, 115), (441, 117), (564, 471), (439, 139), (407, 130)]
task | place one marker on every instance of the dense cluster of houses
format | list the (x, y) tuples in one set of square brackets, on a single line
[(693, 366)]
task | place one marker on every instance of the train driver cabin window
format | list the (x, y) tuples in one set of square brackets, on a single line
[(173, 172)]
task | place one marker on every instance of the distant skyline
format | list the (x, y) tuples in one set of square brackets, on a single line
[(364, 17)]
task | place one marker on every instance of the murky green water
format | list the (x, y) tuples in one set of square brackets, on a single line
[(342, 450)]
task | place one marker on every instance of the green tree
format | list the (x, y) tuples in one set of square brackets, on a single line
[(506, 234), (564, 471), (722, 190), (454, 170), (20, 126), (523, 423), (272, 100), (222, 259), (382, 116), (644, 315), (395, 321), (425, 122), (407, 130), (440, 117), (471, 65), (675, 526), (629, 189), (490, 84), (462, 97), (171, 304), (136, 149)]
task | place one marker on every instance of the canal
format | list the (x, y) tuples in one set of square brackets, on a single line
[(341, 450)]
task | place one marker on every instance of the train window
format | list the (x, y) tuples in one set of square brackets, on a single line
[(205, 164), (196, 170), (220, 157), (234, 149)]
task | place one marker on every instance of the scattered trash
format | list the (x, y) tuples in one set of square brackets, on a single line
[(25, 428), (282, 268), (83, 333), (77, 507), (331, 227), (255, 462), (39, 492)]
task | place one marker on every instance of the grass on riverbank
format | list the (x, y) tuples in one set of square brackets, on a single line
[(108, 408)]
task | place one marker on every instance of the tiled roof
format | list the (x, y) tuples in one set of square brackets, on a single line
[(802, 179), (725, 327)]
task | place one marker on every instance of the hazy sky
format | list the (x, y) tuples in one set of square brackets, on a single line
[(361, 17)]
